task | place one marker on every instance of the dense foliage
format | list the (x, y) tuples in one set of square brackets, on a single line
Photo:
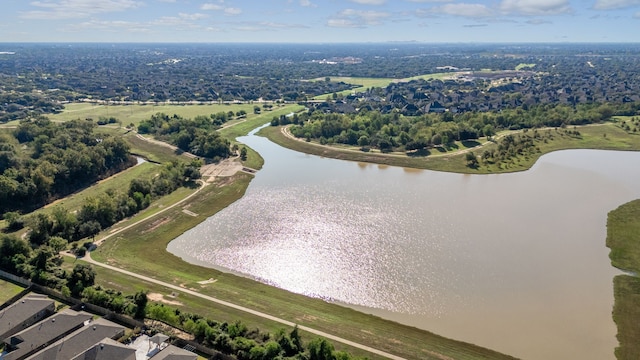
[(196, 136), (395, 132), (41, 161)]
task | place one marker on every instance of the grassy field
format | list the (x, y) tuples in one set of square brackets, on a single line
[(8, 290), (366, 83), (623, 238), (607, 136), (142, 249), (128, 114), (525, 66)]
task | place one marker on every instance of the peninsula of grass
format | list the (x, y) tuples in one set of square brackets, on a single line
[(608, 136), (623, 238)]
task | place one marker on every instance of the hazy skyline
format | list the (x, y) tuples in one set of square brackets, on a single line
[(313, 21)]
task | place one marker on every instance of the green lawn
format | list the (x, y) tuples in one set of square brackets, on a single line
[(135, 113), (8, 290), (525, 66), (623, 238)]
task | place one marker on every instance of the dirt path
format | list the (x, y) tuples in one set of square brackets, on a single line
[(285, 131), (167, 145), (88, 259)]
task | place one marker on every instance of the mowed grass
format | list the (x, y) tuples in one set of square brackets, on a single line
[(623, 238), (189, 303), (142, 249), (606, 136), (8, 290), (134, 114), (118, 183)]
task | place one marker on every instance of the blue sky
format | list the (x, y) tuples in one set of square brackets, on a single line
[(313, 21)]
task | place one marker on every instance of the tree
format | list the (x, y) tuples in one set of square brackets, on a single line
[(472, 160), (81, 277), (243, 154), (320, 349), (140, 299)]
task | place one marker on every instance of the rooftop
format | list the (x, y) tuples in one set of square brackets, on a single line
[(108, 349), (45, 332), (80, 340), (23, 311)]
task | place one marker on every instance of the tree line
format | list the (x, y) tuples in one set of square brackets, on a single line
[(395, 132), (41, 161), (197, 135)]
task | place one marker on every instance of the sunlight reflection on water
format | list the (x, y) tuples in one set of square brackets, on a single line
[(478, 258)]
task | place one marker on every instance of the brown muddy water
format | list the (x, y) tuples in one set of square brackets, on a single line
[(513, 262)]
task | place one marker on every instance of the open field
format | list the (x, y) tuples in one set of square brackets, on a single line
[(523, 66), (607, 137), (8, 290), (623, 238), (128, 114), (366, 83), (142, 249)]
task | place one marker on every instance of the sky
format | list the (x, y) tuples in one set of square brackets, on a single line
[(320, 21)]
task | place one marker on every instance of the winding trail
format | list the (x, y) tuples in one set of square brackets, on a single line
[(88, 259)]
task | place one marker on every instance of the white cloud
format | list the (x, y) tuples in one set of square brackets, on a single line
[(429, 1), (219, 7), (615, 4), (464, 10), (108, 26), (307, 3), (70, 9), (210, 6), (636, 15), (369, 2), (232, 11), (535, 7), (357, 18)]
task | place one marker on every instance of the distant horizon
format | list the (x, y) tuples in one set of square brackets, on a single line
[(320, 21), (408, 42)]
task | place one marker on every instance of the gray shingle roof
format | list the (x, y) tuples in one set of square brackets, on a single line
[(40, 335), (107, 349), (80, 340), (24, 313), (174, 353)]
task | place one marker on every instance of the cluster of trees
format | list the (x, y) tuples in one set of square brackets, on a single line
[(248, 72), (42, 265), (101, 211), (41, 161), (196, 135), (395, 132), (525, 144), (18, 105), (242, 343), (132, 305)]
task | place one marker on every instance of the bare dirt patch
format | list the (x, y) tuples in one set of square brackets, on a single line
[(160, 298)]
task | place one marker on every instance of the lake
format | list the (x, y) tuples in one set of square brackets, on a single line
[(513, 262)]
